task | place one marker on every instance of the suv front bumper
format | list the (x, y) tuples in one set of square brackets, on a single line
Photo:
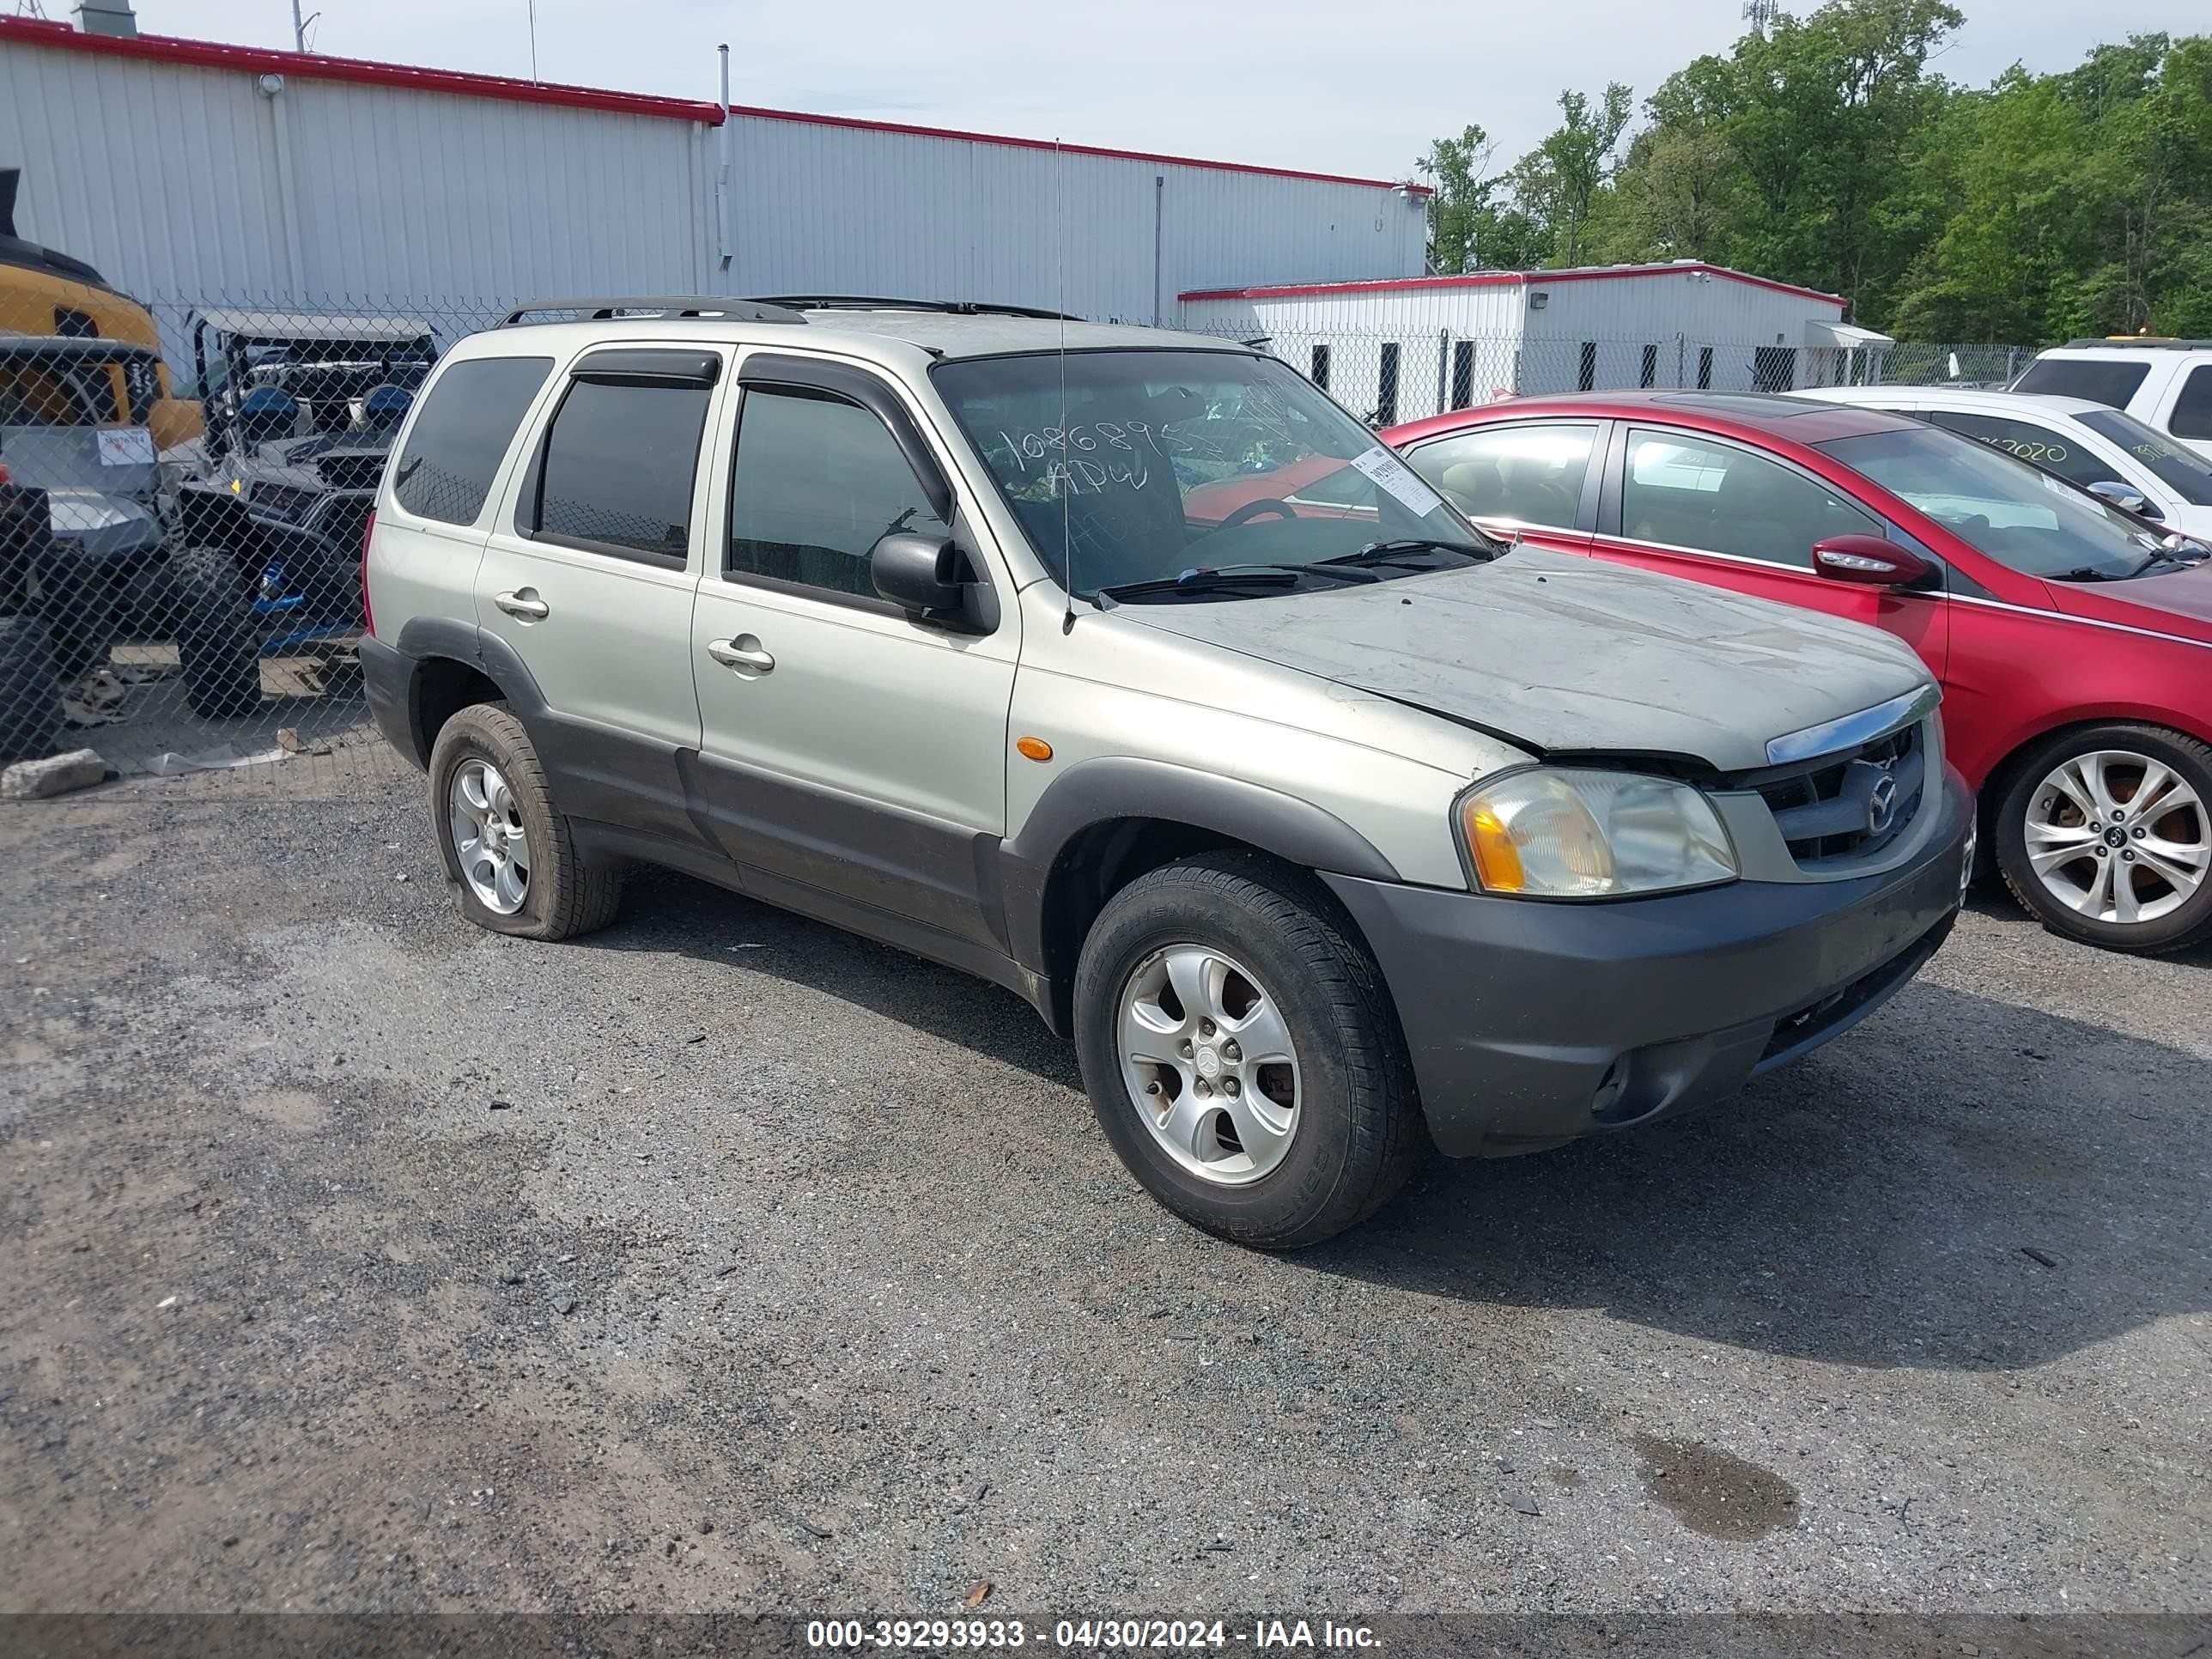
[(1530, 1023)]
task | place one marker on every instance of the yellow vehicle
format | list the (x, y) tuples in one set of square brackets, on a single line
[(43, 294)]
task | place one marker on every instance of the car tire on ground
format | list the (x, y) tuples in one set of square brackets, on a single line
[(78, 606), (2091, 858), (30, 694), (505, 843), (218, 647), (1269, 1099)]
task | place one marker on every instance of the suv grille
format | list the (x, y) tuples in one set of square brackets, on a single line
[(1850, 804)]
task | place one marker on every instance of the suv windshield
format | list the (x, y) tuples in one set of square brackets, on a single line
[(2188, 474), (2017, 514), (1140, 465)]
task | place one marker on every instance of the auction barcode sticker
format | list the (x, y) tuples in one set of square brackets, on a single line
[(1394, 475), (125, 446)]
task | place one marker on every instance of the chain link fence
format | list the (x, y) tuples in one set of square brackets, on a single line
[(182, 520), (181, 525)]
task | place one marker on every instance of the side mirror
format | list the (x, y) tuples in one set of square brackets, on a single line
[(1869, 560), (2127, 500), (920, 574)]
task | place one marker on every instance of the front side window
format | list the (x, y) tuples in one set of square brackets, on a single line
[(2017, 514), (1686, 491), (2180, 468), (461, 436), (2030, 441), (617, 467), (1527, 474), (817, 482), (2192, 410), (1147, 465)]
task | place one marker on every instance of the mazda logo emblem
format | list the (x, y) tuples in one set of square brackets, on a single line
[(1881, 805)]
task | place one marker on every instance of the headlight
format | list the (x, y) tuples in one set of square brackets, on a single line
[(1558, 833)]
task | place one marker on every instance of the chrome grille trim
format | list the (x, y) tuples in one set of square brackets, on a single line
[(1854, 730)]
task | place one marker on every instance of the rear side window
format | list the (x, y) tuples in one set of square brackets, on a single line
[(818, 483), (2101, 381), (2192, 411), (461, 436), (2031, 441), (616, 469)]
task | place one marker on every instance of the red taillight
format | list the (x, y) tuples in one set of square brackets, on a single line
[(368, 615)]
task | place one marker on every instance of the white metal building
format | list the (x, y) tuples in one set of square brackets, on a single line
[(189, 171), (1402, 348)]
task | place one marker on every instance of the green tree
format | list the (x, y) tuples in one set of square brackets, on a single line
[(1458, 170), (1823, 151), (1475, 222), (1556, 184)]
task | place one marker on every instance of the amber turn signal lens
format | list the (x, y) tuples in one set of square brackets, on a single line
[(1496, 861), (1036, 749)]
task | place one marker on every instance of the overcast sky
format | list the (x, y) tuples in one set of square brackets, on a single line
[(1338, 87)]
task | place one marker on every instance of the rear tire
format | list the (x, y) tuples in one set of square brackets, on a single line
[(2087, 857), (1273, 960), (218, 647), (495, 811), (30, 696), (78, 605)]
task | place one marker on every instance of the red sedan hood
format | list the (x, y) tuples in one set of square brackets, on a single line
[(2179, 602)]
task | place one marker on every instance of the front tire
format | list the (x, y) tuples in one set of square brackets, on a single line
[(503, 839), (30, 697), (1242, 1054), (2105, 835)]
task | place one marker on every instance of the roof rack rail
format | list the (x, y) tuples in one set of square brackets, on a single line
[(2143, 342), (728, 307), (948, 307)]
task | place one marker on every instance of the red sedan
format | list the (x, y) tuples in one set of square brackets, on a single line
[(2074, 647)]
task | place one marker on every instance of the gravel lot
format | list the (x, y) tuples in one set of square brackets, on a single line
[(358, 1260)]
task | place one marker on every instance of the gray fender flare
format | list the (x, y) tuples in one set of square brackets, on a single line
[(1094, 792)]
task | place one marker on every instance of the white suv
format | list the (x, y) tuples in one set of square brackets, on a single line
[(1326, 831), (2165, 383)]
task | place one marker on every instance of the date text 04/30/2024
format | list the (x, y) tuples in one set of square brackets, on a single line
[(1100, 1634)]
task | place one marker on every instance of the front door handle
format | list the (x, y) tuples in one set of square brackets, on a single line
[(730, 654), (523, 603)]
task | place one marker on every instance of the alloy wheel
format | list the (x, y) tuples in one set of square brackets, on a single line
[(489, 837), (2118, 836), (1207, 1059)]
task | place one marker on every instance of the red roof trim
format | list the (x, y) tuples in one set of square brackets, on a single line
[(259, 60), (962, 135), (1508, 279), (313, 66)]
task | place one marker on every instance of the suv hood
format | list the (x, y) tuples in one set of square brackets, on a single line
[(1559, 653)]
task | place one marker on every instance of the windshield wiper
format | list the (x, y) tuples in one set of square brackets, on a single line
[(1392, 552), (1229, 579), (2090, 573)]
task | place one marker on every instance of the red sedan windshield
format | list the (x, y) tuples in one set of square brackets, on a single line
[(2018, 514)]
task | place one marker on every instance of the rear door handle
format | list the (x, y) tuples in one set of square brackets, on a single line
[(730, 654), (523, 603)]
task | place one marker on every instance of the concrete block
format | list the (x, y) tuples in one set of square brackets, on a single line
[(57, 774)]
